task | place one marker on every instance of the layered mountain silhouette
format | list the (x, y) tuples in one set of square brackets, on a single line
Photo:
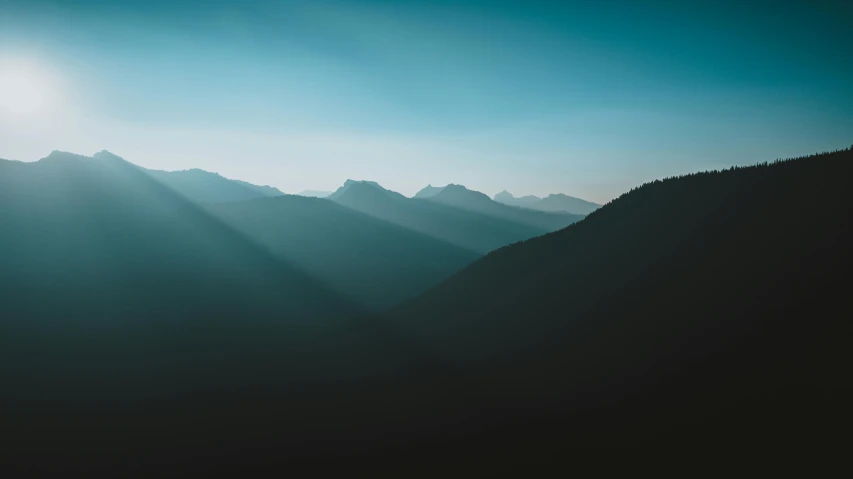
[(468, 229), (429, 191), (104, 267), (553, 203), (373, 261), (506, 198), (708, 308), (687, 307), (460, 197), (206, 187)]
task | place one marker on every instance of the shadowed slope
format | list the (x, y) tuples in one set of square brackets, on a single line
[(469, 230), (703, 302), (102, 267), (376, 262)]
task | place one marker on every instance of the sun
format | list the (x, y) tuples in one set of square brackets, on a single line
[(24, 90)]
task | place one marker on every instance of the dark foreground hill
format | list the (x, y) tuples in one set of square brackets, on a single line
[(377, 263), (713, 303), (467, 229)]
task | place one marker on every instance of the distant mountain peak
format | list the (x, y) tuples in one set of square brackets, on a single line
[(357, 185), (429, 191), (460, 190), (106, 155)]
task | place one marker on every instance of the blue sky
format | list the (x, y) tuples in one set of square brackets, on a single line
[(584, 98)]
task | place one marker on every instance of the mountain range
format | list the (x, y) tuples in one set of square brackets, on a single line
[(206, 187), (553, 203), (706, 308), (467, 224)]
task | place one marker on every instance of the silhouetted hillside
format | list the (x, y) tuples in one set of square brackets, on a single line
[(690, 307), (476, 232), (373, 261), (553, 203), (460, 197)]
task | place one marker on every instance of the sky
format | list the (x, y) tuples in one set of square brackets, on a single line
[(584, 98)]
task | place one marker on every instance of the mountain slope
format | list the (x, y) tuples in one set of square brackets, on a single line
[(265, 190), (460, 197), (469, 230), (102, 267), (373, 261), (205, 187), (561, 202), (700, 303)]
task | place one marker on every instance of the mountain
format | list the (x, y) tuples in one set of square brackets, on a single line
[(265, 190), (429, 191), (473, 231), (316, 194), (506, 198), (460, 197), (552, 203), (377, 263), (349, 183), (561, 202), (104, 269), (687, 308), (205, 187)]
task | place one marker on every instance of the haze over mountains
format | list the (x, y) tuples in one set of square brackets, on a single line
[(688, 308), (376, 254), (469, 225), (554, 203)]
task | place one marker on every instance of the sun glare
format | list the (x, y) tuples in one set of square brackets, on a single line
[(24, 90)]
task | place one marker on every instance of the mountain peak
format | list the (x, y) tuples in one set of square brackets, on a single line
[(106, 155), (357, 185), (429, 191), (504, 195)]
